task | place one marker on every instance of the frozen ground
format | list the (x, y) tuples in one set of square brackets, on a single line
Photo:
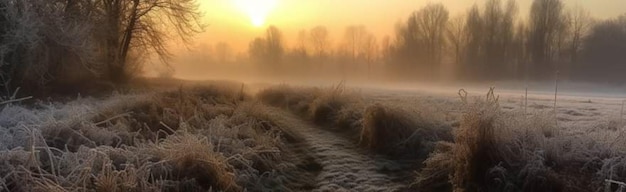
[(335, 162), (344, 166), (577, 112)]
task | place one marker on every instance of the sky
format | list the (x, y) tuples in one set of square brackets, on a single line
[(237, 22)]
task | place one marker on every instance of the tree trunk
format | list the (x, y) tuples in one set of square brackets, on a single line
[(118, 72)]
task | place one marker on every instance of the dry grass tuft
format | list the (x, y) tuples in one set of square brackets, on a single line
[(475, 146), (194, 157), (296, 99), (350, 119), (325, 108), (330, 107), (389, 130), (437, 168)]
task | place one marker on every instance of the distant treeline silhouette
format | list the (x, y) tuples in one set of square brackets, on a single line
[(488, 42)]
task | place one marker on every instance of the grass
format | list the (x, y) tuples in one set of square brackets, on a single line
[(197, 138), (216, 138), (511, 151), (385, 129), (389, 130)]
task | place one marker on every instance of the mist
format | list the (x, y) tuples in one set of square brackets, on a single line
[(492, 42), (327, 95)]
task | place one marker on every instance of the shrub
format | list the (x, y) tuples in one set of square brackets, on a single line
[(389, 130), (44, 50)]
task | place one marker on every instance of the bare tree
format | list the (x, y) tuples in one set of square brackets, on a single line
[(431, 21), (455, 33), (546, 23), (223, 52), (268, 50), (498, 35), (354, 39), (386, 48), (421, 40), (519, 52), (369, 51), (302, 41), (275, 46), (474, 64), (320, 41), (580, 23), (257, 50), (144, 25), (603, 59)]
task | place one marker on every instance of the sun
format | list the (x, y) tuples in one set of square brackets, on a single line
[(257, 10)]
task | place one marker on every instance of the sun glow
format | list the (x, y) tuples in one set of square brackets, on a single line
[(257, 10)]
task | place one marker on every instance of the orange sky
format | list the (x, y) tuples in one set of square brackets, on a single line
[(230, 22)]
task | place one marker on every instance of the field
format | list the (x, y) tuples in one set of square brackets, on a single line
[(227, 136)]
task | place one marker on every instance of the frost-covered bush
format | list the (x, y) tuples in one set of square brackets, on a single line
[(44, 43)]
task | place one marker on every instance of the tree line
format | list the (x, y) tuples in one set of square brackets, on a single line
[(58, 45), (487, 42)]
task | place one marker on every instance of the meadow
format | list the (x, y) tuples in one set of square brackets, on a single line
[(227, 136)]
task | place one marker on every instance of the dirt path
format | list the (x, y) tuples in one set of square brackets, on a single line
[(340, 164)]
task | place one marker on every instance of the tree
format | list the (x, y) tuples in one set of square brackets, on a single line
[(302, 41), (455, 33), (603, 52), (299, 54), (257, 50), (369, 48), (268, 50), (354, 39), (46, 43), (474, 64), (547, 21), (369, 51), (275, 47), (143, 25), (431, 21), (580, 22), (386, 49), (421, 40), (223, 52), (490, 38), (519, 52), (498, 37), (320, 41)]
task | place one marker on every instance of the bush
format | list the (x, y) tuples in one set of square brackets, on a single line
[(44, 49), (390, 131)]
